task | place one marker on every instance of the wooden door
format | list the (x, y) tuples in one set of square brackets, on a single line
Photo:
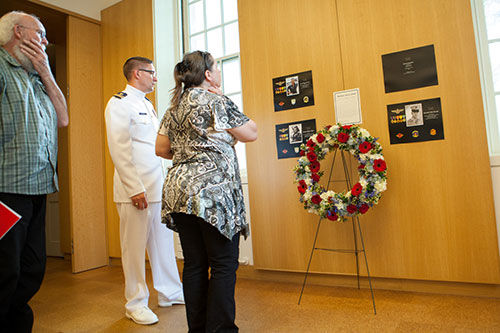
[(86, 146)]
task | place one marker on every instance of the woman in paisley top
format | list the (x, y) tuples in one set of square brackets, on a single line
[(202, 194)]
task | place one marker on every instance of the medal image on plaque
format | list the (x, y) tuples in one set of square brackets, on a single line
[(415, 121), (293, 91), (290, 136)]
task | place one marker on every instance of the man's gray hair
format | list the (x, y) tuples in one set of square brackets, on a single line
[(7, 23)]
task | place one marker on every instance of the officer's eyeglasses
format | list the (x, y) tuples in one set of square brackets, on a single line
[(40, 33), (152, 72)]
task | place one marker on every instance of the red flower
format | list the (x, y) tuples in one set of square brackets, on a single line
[(316, 199), (346, 127), (357, 189), (343, 137), (351, 209), (315, 177), (379, 165), (310, 143), (314, 166), (320, 138), (302, 153), (331, 216), (365, 147), (364, 208), (312, 147), (311, 156), (302, 186), (328, 127), (361, 166)]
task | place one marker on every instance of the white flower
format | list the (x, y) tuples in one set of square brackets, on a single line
[(334, 130), (376, 157), (307, 195), (364, 133), (363, 182), (324, 196), (381, 185)]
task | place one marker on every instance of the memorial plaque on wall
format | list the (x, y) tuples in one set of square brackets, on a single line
[(290, 136), (293, 91), (410, 69), (415, 121)]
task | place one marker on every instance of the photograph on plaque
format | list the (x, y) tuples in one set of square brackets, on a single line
[(290, 136), (410, 69), (293, 91), (415, 121)]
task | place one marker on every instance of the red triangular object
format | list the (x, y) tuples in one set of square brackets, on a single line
[(8, 218)]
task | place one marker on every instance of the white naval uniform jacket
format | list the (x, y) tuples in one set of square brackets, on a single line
[(132, 126)]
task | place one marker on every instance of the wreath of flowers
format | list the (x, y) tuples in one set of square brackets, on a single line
[(372, 172)]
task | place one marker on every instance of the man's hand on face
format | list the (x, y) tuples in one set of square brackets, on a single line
[(35, 51), (140, 201)]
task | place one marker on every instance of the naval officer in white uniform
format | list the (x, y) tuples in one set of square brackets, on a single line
[(132, 124)]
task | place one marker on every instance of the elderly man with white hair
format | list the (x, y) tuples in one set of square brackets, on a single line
[(32, 107)]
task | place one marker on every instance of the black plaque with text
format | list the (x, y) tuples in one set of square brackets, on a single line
[(410, 69), (415, 121), (290, 136), (293, 91)]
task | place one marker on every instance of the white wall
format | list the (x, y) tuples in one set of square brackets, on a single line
[(89, 8), (495, 178)]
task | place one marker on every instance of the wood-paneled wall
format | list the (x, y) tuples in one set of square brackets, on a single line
[(127, 31), (436, 221)]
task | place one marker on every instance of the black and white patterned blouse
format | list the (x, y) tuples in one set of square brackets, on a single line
[(204, 179)]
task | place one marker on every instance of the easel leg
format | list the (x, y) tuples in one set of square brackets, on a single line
[(355, 251), (310, 259), (367, 269), (356, 248)]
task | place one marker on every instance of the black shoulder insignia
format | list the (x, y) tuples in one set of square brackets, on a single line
[(147, 99), (120, 95)]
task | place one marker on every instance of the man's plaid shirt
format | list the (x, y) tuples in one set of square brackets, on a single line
[(28, 131)]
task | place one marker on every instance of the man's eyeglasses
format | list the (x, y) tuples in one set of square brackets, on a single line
[(150, 71), (40, 33)]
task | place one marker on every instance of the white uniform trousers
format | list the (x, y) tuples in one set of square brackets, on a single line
[(141, 230)]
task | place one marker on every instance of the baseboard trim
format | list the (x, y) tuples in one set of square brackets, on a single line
[(350, 281)]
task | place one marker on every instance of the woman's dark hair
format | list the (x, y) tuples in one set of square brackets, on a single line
[(190, 72)]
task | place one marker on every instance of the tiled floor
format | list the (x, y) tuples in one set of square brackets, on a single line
[(93, 302)]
